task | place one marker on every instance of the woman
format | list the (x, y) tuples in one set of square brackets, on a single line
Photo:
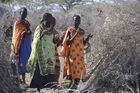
[(21, 41), (58, 42), (73, 53), (42, 60)]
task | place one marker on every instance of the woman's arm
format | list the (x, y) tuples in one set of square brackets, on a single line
[(87, 39), (69, 39), (28, 31)]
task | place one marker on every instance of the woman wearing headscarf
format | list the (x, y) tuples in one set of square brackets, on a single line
[(41, 63), (21, 42)]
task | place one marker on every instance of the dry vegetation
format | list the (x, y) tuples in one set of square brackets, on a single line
[(8, 84), (114, 61)]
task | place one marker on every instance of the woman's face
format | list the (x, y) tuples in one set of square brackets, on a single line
[(53, 23), (77, 21), (48, 22)]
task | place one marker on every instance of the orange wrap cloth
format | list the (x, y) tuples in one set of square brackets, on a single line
[(76, 66), (20, 27)]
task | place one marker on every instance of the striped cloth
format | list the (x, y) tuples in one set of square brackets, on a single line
[(57, 65)]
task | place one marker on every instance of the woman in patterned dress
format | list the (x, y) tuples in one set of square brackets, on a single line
[(73, 53), (42, 60)]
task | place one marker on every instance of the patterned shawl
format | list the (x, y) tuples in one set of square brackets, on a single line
[(43, 52)]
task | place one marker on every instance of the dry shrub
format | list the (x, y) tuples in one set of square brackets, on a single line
[(115, 51), (113, 63), (7, 84)]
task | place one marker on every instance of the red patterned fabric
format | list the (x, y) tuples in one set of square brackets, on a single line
[(57, 66), (24, 22)]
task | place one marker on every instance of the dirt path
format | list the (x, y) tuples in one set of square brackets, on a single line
[(26, 88)]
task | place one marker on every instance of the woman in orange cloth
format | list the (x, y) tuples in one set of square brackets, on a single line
[(21, 42), (73, 53)]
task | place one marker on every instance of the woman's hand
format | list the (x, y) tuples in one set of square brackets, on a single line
[(56, 36), (16, 57), (88, 37)]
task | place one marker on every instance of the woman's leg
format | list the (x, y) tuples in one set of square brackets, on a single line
[(23, 77), (69, 77), (74, 85), (76, 82), (38, 89)]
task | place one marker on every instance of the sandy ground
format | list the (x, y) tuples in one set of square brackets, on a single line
[(25, 87)]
